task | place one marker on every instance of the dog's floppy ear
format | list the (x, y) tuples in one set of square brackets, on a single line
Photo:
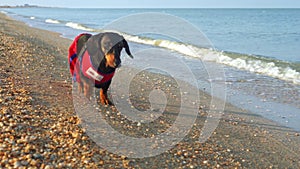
[(125, 44)]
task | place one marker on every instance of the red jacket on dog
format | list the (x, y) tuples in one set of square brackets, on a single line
[(85, 65), (89, 71)]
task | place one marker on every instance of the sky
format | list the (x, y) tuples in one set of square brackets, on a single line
[(158, 3)]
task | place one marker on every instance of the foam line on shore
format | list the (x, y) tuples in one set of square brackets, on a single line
[(277, 69)]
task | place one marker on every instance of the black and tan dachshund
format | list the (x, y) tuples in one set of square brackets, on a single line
[(94, 59)]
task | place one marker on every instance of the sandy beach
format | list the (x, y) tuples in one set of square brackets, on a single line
[(40, 129)]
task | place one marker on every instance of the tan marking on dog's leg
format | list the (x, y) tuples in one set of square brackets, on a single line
[(103, 98)]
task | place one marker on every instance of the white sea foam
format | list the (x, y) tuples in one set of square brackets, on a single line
[(52, 21), (262, 67), (78, 26), (32, 17), (247, 63), (3, 12)]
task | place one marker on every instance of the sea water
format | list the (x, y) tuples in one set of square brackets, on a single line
[(257, 48)]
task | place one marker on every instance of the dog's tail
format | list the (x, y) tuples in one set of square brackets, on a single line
[(75, 49)]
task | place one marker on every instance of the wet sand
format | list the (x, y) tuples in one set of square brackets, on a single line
[(40, 129)]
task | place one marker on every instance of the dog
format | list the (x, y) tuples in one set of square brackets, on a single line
[(93, 60)]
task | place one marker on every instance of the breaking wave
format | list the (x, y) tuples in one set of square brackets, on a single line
[(79, 26), (52, 21), (3, 12), (257, 64)]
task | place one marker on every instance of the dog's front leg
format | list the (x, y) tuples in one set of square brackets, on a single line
[(103, 97)]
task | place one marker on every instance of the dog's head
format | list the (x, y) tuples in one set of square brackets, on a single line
[(109, 46)]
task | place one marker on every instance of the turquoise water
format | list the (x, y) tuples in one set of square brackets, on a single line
[(257, 48)]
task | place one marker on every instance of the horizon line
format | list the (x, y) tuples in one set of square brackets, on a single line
[(38, 6)]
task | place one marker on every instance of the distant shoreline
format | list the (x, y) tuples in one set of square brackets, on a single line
[(21, 6)]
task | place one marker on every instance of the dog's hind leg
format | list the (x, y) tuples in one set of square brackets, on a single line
[(80, 87), (87, 90)]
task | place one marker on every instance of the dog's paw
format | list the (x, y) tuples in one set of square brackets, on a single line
[(105, 101)]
